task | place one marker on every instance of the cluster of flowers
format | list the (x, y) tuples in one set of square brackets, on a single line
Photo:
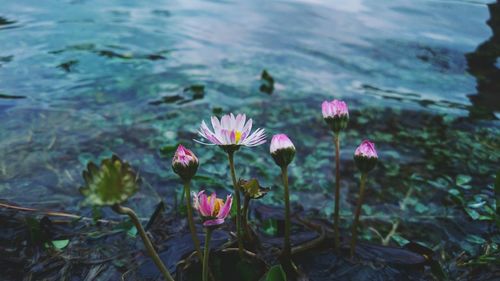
[(232, 132)]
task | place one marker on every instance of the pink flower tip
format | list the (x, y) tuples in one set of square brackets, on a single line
[(335, 108), (184, 157), (280, 141), (366, 149)]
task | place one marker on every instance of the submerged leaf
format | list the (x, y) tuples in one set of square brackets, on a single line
[(60, 244)]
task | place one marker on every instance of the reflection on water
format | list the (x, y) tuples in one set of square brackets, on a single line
[(483, 64)]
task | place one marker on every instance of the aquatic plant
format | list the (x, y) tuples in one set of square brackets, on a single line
[(213, 212), (251, 190), (230, 133), (111, 184), (185, 164), (365, 158), (283, 151), (336, 115)]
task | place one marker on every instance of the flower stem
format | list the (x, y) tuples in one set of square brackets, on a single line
[(337, 192), (149, 246), (358, 212), (196, 242), (238, 204), (206, 253), (246, 228), (287, 249)]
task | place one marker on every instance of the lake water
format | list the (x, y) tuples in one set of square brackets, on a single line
[(80, 80)]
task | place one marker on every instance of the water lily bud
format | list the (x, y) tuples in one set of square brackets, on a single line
[(282, 150), (185, 163), (366, 156), (336, 114)]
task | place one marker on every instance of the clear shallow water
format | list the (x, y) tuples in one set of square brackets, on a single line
[(82, 79)]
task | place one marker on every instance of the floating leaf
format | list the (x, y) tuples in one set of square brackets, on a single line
[(267, 85), (68, 65)]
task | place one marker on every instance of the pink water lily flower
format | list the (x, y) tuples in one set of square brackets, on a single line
[(366, 149), (213, 210), (232, 131), (335, 108)]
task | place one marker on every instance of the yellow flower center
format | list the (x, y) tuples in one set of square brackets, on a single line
[(217, 206), (237, 136)]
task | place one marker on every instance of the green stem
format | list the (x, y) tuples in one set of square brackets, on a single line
[(337, 192), (287, 246), (244, 220), (238, 204), (196, 242), (183, 194), (149, 246), (206, 254), (357, 213)]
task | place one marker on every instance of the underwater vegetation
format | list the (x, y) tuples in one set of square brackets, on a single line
[(107, 171)]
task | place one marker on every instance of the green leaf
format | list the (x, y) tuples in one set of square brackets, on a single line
[(168, 151), (475, 239), (462, 180), (400, 239), (421, 208), (276, 273), (132, 232), (270, 226), (110, 183), (472, 213), (60, 244)]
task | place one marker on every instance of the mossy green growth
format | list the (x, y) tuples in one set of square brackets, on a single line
[(113, 182)]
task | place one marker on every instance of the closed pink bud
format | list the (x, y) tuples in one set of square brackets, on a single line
[(366, 156), (282, 150), (336, 114), (184, 163)]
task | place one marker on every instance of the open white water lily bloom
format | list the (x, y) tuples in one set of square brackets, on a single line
[(231, 132)]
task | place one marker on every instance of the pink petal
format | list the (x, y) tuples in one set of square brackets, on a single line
[(204, 209), (224, 211), (213, 222)]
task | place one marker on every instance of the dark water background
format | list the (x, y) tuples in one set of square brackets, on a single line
[(80, 80)]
